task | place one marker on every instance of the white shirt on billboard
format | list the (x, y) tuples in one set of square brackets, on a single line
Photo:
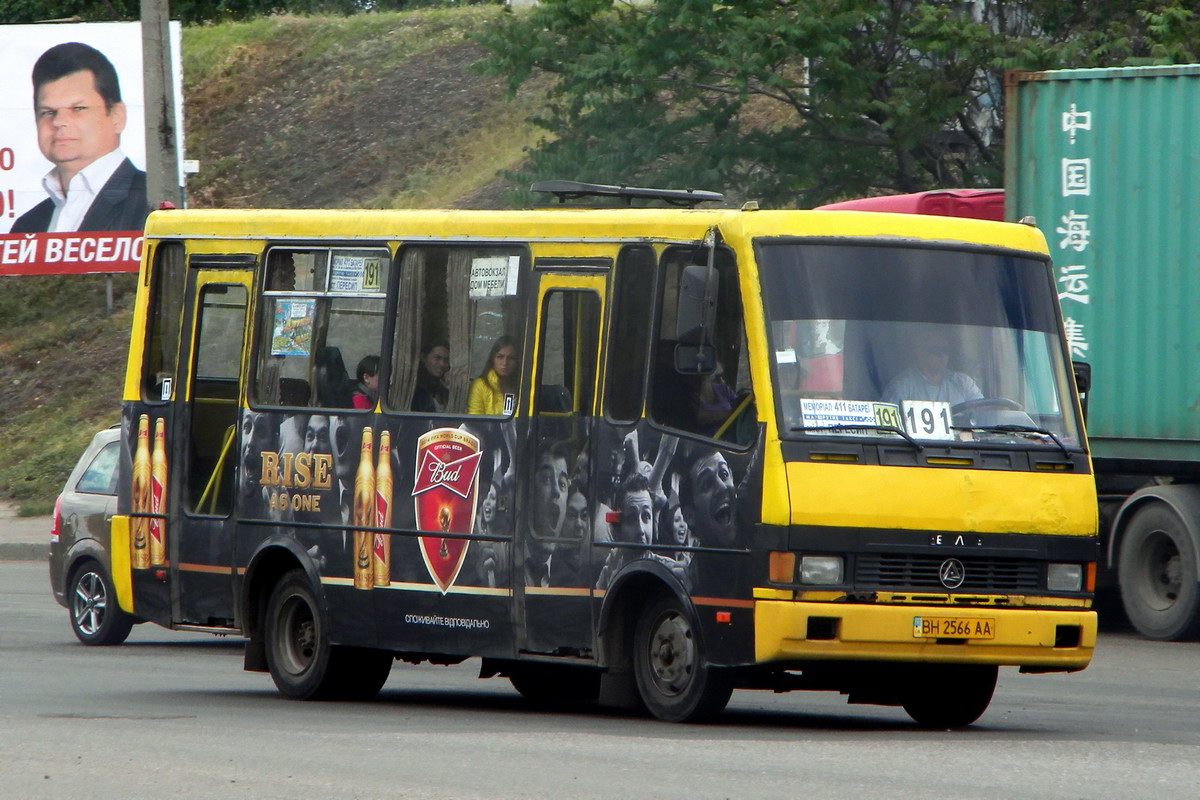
[(71, 205)]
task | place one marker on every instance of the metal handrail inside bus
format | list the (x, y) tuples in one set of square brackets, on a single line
[(212, 485)]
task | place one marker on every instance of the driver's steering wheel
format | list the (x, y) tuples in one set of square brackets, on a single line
[(986, 402), (962, 412)]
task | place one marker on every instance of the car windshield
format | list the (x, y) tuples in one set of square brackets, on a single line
[(941, 344)]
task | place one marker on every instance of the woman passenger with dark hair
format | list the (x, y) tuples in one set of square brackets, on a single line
[(432, 394)]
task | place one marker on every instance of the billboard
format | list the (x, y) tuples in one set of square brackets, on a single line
[(73, 156)]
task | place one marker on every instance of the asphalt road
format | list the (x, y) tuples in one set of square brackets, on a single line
[(173, 715)]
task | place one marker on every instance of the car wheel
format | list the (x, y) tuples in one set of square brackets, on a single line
[(95, 616), (669, 664), (302, 662)]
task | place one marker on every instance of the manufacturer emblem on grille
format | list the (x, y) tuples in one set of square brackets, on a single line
[(952, 573)]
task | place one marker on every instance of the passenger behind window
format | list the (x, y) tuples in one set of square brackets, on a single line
[(499, 380), (334, 387), (432, 394), (367, 389), (712, 401)]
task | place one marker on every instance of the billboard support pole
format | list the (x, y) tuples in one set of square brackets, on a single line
[(162, 163)]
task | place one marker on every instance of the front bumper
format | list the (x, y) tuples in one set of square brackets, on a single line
[(866, 632)]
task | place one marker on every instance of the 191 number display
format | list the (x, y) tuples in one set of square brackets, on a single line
[(927, 419)]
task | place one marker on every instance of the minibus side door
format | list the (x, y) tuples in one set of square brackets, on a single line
[(552, 575), (203, 450)]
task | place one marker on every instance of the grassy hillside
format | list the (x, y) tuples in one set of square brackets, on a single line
[(377, 110)]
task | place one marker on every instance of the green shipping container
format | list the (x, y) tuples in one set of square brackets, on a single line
[(1108, 162)]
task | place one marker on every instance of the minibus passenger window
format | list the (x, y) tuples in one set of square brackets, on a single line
[(715, 404), (458, 342), (162, 329), (630, 333), (321, 327)]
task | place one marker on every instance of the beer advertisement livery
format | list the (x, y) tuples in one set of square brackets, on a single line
[(644, 457)]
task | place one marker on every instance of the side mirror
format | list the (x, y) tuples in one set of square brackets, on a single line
[(1083, 383), (1083, 376), (696, 309)]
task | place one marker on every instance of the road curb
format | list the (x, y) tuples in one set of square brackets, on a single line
[(23, 551)]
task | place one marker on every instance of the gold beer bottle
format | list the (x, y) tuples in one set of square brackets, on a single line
[(158, 494), (138, 542), (381, 561), (364, 512)]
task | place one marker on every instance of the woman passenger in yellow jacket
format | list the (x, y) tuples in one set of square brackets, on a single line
[(500, 377)]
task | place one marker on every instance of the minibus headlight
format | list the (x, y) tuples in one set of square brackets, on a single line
[(821, 570), (1064, 577)]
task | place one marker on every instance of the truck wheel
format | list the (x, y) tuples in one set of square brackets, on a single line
[(1157, 573), (95, 616), (302, 662), (673, 677), (948, 695)]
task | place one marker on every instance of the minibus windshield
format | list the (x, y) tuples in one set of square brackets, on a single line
[(951, 345)]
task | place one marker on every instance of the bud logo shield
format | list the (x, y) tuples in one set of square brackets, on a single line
[(447, 479)]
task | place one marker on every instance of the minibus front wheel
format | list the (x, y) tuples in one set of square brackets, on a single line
[(947, 695), (302, 662), (673, 676)]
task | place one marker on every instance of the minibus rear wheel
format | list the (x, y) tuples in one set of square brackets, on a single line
[(303, 664), (673, 676), (554, 684)]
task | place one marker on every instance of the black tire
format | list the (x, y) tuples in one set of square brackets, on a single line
[(92, 604), (302, 662), (673, 677), (948, 695), (1157, 573), (551, 685)]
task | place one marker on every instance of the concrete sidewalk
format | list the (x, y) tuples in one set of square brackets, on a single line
[(23, 538)]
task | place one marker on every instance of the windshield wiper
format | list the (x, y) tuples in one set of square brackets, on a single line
[(887, 428), (1015, 429)]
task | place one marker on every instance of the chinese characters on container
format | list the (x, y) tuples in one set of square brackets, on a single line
[(1074, 232)]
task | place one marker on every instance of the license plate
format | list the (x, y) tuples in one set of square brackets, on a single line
[(954, 628)]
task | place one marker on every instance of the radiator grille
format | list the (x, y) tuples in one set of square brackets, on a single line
[(921, 572)]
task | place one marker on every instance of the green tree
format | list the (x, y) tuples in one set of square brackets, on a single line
[(803, 101)]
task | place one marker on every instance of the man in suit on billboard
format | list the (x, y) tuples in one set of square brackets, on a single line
[(80, 117)]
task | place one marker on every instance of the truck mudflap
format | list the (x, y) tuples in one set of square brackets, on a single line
[(1048, 640)]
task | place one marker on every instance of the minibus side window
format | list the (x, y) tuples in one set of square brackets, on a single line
[(322, 317), (455, 304), (159, 359), (633, 296), (567, 370), (701, 404), (221, 319)]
